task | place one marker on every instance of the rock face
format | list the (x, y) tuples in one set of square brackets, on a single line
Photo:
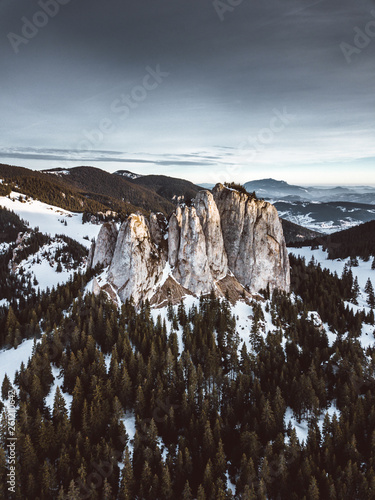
[(190, 263), (102, 251), (253, 239), (137, 263), (210, 220), (224, 234)]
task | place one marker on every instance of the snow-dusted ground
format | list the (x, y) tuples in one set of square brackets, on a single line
[(302, 427), (50, 219), (231, 487), (363, 272), (189, 301), (10, 360), (45, 269), (129, 422), (58, 383)]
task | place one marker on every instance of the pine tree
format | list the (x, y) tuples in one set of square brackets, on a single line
[(49, 484), (107, 490), (73, 492), (355, 291), (127, 479), (29, 457), (220, 464), (208, 480), (146, 481), (6, 387), (166, 484), (201, 494), (59, 409), (313, 493), (369, 289), (187, 493)]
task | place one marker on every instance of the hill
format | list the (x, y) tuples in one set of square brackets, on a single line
[(170, 188), (105, 186), (84, 189), (357, 241), (294, 233)]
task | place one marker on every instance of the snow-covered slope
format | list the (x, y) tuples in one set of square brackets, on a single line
[(362, 272), (42, 267), (50, 219)]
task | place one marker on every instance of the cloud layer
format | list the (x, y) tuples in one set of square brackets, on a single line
[(133, 82)]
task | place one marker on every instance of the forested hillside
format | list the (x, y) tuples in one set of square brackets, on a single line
[(358, 241), (214, 417), (168, 187), (83, 189)]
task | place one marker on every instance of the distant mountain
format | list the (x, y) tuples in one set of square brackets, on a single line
[(274, 190), (127, 174), (271, 188), (207, 186), (319, 209), (106, 186)]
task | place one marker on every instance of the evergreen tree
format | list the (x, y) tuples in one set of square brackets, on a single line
[(6, 387), (187, 493), (313, 493), (369, 289)]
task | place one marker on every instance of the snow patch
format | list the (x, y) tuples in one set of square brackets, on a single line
[(50, 219)]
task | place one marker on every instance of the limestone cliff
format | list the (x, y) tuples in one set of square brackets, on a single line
[(137, 263), (225, 239), (253, 239), (102, 250)]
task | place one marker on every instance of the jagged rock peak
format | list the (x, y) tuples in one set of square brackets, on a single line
[(221, 234)]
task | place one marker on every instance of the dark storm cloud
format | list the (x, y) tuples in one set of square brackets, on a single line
[(228, 70)]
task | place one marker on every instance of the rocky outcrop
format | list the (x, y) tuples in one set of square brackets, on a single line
[(210, 220), (225, 241), (137, 263), (191, 267), (253, 239), (102, 250)]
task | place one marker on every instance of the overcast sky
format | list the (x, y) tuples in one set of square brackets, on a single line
[(203, 90)]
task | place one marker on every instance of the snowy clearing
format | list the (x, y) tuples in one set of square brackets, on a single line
[(43, 267), (56, 372), (11, 359), (50, 219)]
